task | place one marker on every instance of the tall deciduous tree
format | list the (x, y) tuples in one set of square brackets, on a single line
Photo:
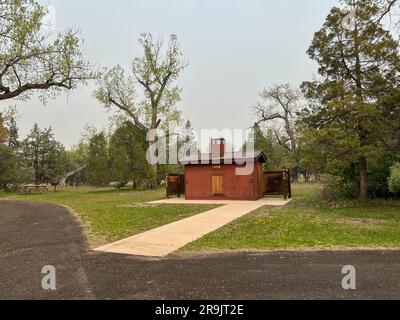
[(149, 95), (29, 60), (358, 68), (278, 112)]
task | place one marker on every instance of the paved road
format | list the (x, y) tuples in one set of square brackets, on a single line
[(34, 235)]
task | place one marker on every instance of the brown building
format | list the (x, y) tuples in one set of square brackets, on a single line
[(216, 176)]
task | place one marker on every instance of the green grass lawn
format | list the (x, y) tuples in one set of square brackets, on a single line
[(109, 215), (310, 222), (307, 222)]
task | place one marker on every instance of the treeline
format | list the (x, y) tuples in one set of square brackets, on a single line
[(38, 158), (120, 159), (114, 157), (342, 128)]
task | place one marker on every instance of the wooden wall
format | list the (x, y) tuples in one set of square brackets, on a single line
[(199, 183)]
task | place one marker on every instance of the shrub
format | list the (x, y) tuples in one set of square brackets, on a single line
[(336, 187), (394, 180)]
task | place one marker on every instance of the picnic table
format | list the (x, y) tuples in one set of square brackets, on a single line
[(29, 188)]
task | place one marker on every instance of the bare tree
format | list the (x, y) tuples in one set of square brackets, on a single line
[(30, 61), (278, 111), (153, 76), (387, 8)]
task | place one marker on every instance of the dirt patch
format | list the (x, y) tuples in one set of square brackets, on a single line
[(365, 222)]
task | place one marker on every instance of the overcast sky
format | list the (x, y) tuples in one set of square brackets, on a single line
[(235, 48)]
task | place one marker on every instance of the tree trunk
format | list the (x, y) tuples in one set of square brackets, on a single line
[(154, 167), (363, 179), (295, 175), (154, 183), (306, 176), (70, 174)]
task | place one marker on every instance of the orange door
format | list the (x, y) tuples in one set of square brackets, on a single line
[(217, 185)]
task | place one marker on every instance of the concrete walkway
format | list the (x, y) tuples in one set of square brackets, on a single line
[(262, 202), (164, 240)]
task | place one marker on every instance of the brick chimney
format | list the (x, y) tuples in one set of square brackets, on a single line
[(218, 148)]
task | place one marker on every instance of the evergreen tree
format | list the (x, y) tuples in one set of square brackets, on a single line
[(3, 133), (12, 169), (77, 159), (45, 155), (278, 157), (98, 168), (189, 140), (358, 67), (127, 151)]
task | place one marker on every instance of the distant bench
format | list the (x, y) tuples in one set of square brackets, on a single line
[(29, 188)]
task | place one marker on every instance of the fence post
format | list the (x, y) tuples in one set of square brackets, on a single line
[(179, 187), (285, 184), (167, 185)]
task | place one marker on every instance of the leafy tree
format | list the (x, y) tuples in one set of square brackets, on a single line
[(3, 133), (154, 76), (278, 112), (358, 68), (278, 157), (29, 61), (127, 152), (45, 155), (10, 121), (98, 169)]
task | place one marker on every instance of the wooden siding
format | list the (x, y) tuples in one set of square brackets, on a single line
[(200, 184), (175, 185), (277, 183)]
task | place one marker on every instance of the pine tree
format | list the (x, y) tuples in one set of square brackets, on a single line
[(45, 155), (127, 152), (98, 161), (12, 169), (189, 140)]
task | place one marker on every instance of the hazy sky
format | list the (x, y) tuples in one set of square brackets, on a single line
[(235, 48)]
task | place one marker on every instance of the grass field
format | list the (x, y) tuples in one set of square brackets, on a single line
[(310, 222), (109, 215)]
